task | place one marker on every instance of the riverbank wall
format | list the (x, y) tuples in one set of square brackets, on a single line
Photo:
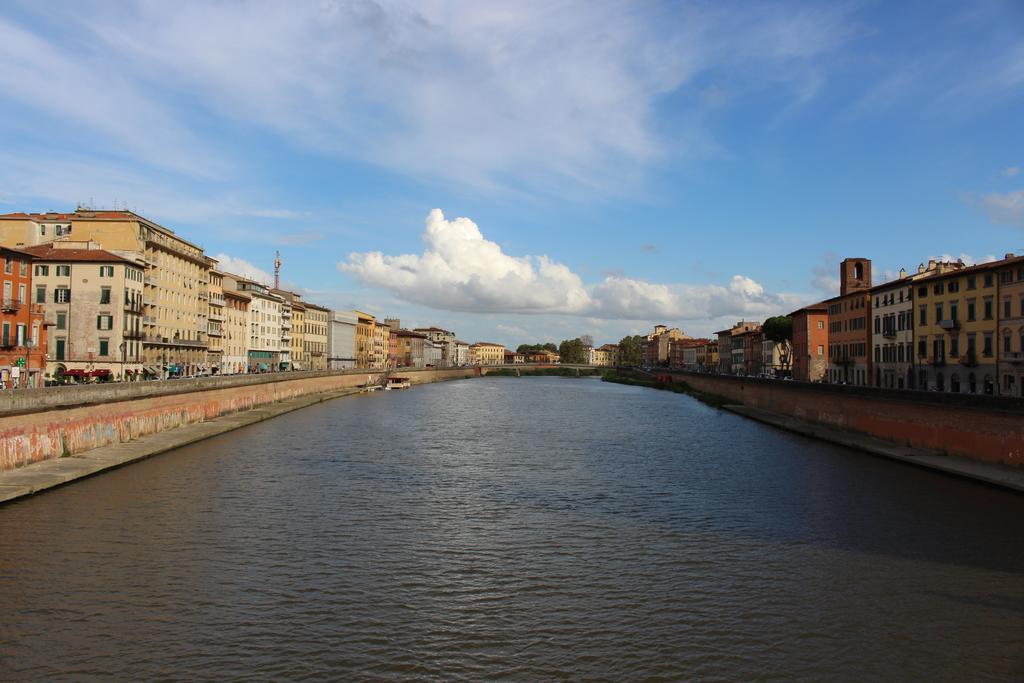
[(984, 428), (54, 422)]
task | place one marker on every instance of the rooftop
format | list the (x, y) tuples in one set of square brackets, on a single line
[(46, 252)]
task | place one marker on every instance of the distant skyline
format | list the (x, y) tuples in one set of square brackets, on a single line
[(531, 171)]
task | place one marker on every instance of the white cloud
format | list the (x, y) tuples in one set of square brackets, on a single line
[(460, 270), (1012, 171), (966, 258), (239, 266), (512, 94), (1006, 209)]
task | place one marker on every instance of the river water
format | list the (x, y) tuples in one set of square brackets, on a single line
[(514, 529)]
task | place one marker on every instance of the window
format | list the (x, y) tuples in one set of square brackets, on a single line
[(954, 286), (63, 271), (939, 288), (1006, 308), (988, 279), (922, 347), (922, 318), (971, 315), (986, 349), (42, 270), (104, 347), (938, 313), (1006, 343), (954, 346), (7, 334), (61, 295), (104, 322), (972, 346), (972, 282), (922, 292), (41, 294), (62, 321), (821, 323), (23, 268), (42, 230), (988, 308), (59, 348), (105, 295), (954, 310), (106, 271), (1006, 277)]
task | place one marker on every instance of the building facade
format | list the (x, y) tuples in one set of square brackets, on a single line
[(215, 324), (93, 307), (849, 331), (810, 343), (23, 338), (486, 353), (1011, 327), (236, 332), (341, 340), (316, 338)]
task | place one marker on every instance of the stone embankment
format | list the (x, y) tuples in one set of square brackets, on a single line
[(41, 424)]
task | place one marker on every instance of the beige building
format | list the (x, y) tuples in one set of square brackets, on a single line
[(175, 296), (605, 356), (381, 345), (215, 324), (264, 349), (93, 309), (235, 340), (1011, 327), (486, 353), (315, 339)]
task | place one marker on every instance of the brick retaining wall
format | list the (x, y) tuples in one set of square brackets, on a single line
[(989, 429)]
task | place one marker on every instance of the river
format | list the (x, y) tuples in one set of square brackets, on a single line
[(516, 529)]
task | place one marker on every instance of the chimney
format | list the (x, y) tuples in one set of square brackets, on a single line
[(1009, 256), (903, 273)]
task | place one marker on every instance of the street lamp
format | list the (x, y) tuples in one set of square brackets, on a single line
[(124, 349)]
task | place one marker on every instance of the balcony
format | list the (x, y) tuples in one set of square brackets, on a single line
[(171, 341), (11, 305), (216, 300), (133, 306), (133, 334), (889, 334), (151, 280), (216, 317), (950, 324), (214, 331), (148, 320), (203, 296), (1015, 357)]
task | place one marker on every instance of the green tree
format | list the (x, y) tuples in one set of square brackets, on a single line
[(572, 351), (630, 351), (780, 330)]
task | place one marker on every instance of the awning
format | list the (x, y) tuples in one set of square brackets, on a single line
[(75, 372), (102, 372), (150, 370), (262, 366)]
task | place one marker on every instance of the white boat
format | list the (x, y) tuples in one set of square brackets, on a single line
[(397, 383)]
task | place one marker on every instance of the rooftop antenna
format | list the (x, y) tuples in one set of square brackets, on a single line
[(277, 270)]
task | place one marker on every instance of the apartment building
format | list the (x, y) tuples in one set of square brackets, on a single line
[(236, 327), (364, 339), (22, 332), (849, 331), (956, 327), (215, 320), (341, 340), (486, 353), (444, 339), (316, 336), (265, 315), (1011, 326), (810, 343), (93, 303), (460, 353), (381, 346)]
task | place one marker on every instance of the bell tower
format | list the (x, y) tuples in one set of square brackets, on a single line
[(854, 275)]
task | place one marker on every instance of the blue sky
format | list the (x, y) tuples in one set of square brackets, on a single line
[(532, 170)]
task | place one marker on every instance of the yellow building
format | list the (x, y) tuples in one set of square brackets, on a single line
[(381, 345), (486, 353), (235, 339), (955, 328), (299, 359), (1011, 326), (175, 298), (365, 324), (93, 307), (315, 344), (215, 324)]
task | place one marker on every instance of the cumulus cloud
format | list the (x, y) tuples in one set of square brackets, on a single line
[(461, 270), (239, 266), (1005, 209)]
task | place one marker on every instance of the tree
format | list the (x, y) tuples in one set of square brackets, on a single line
[(630, 351), (780, 330), (587, 340), (572, 351)]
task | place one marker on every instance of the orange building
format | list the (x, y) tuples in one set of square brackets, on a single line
[(849, 332), (810, 342), (22, 333)]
